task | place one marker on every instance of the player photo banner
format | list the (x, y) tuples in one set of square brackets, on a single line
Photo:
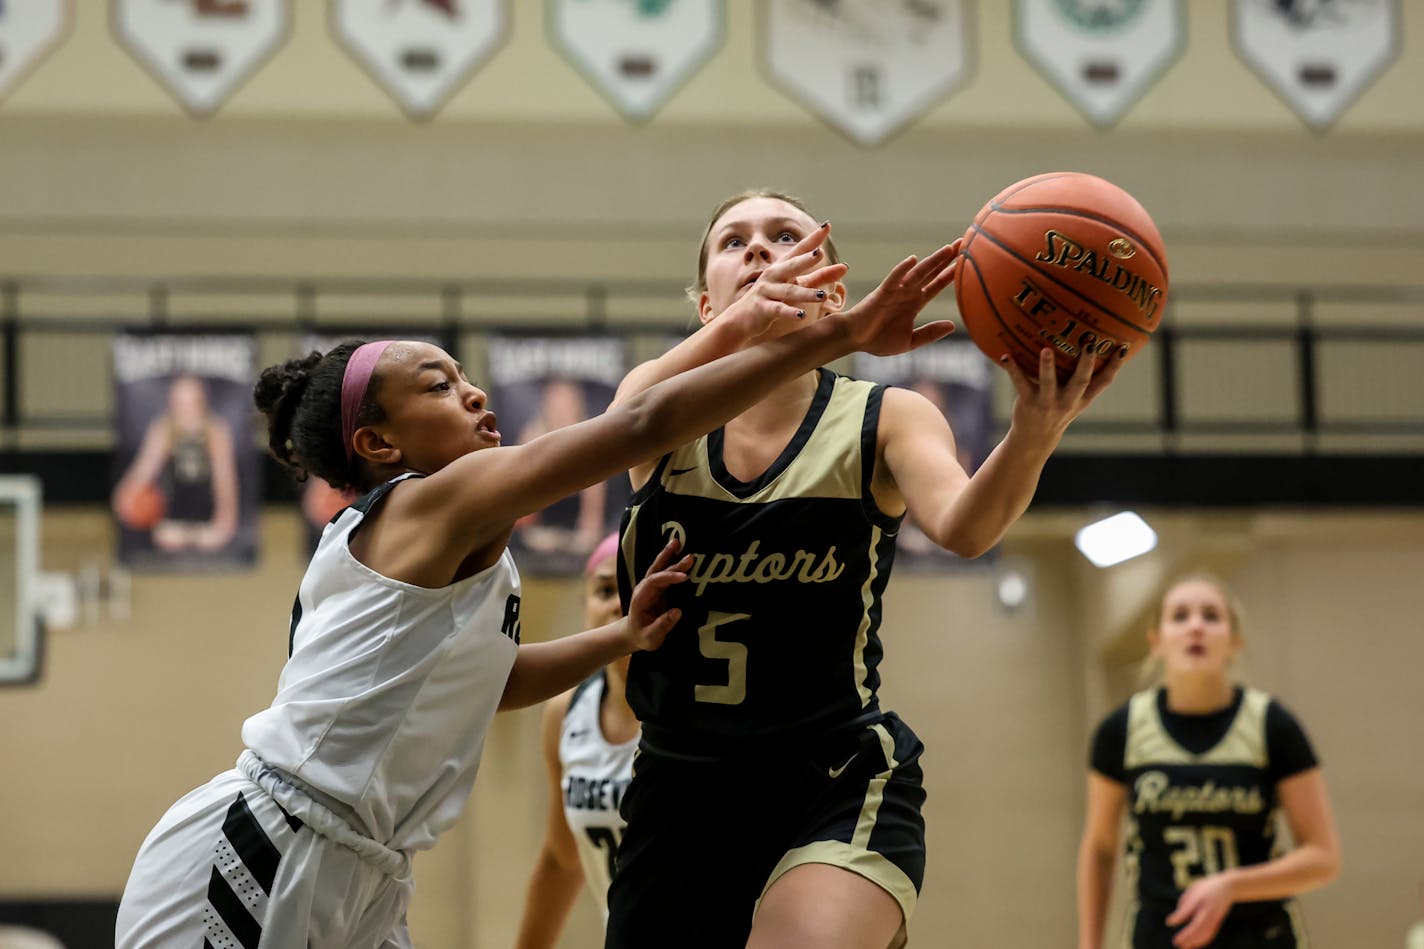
[(420, 51), (201, 50), (29, 30), (637, 53), (958, 379), (1319, 56), (1103, 55), (541, 383), (187, 468), (870, 67)]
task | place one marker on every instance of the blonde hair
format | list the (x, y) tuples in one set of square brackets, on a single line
[(1150, 672), (696, 288)]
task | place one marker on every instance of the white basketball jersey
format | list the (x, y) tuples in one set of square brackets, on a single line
[(596, 773), (385, 700)]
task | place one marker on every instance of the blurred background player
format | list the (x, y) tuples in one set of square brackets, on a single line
[(1201, 766), (589, 736)]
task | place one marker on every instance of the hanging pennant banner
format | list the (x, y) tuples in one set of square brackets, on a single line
[(870, 67), (1103, 55), (29, 30), (420, 51), (958, 380), (188, 471), (637, 53), (201, 50), (540, 383), (1318, 56)]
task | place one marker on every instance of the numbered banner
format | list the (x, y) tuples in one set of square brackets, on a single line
[(868, 67), (420, 51), (1318, 56), (1103, 55), (201, 50), (188, 475), (637, 53), (542, 383), (958, 379), (29, 30)]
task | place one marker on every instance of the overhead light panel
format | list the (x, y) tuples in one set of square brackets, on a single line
[(1115, 539)]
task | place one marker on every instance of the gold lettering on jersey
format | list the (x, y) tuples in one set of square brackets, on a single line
[(1156, 793), (750, 567)]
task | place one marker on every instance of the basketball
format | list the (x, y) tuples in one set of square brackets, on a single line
[(1064, 260), (140, 508)]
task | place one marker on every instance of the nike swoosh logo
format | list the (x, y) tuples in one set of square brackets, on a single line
[(836, 772), (680, 471)]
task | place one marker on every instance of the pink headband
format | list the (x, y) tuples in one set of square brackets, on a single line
[(606, 548), (353, 387)]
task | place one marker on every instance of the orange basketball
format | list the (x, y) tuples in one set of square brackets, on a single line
[(140, 508), (1063, 260)]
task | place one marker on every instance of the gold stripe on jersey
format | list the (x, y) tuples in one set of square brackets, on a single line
[(819, 470), (855, 856), (862, 633), (1148, 742), (1297, 924)]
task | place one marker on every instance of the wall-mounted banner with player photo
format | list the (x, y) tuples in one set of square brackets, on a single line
[(958, 379), (320, 502), (868, 69), (201, 50), (187, 469), (1318, 56), (637, 54), (1103, 57), (420, 51), (28, 32), (539, 383)]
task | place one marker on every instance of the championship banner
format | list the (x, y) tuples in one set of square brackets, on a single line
[(1103, 55), (637, 53), (958, 379), (320, 502), (542, 383), (867, 67), (1318, 56), (420, 51), (201, 50), (188, 472), (29, 30)]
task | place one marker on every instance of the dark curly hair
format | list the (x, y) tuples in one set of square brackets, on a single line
[(302, 401)]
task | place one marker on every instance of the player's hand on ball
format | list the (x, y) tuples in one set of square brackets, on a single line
[(1044, 407), (1202, 908), (787, 287), (649, 618), (883, 324)]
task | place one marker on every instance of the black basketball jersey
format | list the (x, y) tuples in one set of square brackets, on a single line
[(779, 631), (1194, 813)]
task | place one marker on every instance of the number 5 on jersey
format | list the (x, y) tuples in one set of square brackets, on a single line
[(735, 655)]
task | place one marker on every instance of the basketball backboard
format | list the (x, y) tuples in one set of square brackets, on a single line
[(19, 566)]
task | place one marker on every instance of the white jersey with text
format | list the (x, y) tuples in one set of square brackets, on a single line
[(596, 772), (382, 708)]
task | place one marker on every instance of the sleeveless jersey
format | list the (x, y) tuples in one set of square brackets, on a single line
[(190, 474), (779, 632), (1191, 815), (382, 708), (595, 775)]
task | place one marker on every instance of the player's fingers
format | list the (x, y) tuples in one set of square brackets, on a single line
[(927, 268), (896, 277), (1104, 376), (666, 556), (1018, 377), (943, 279), (823, 277), (930, 333), (794, 292), (1082, 373), (1047, 373), (656, 632)]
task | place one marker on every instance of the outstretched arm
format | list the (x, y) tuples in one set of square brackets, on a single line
[(543, 670), (970, 515)]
